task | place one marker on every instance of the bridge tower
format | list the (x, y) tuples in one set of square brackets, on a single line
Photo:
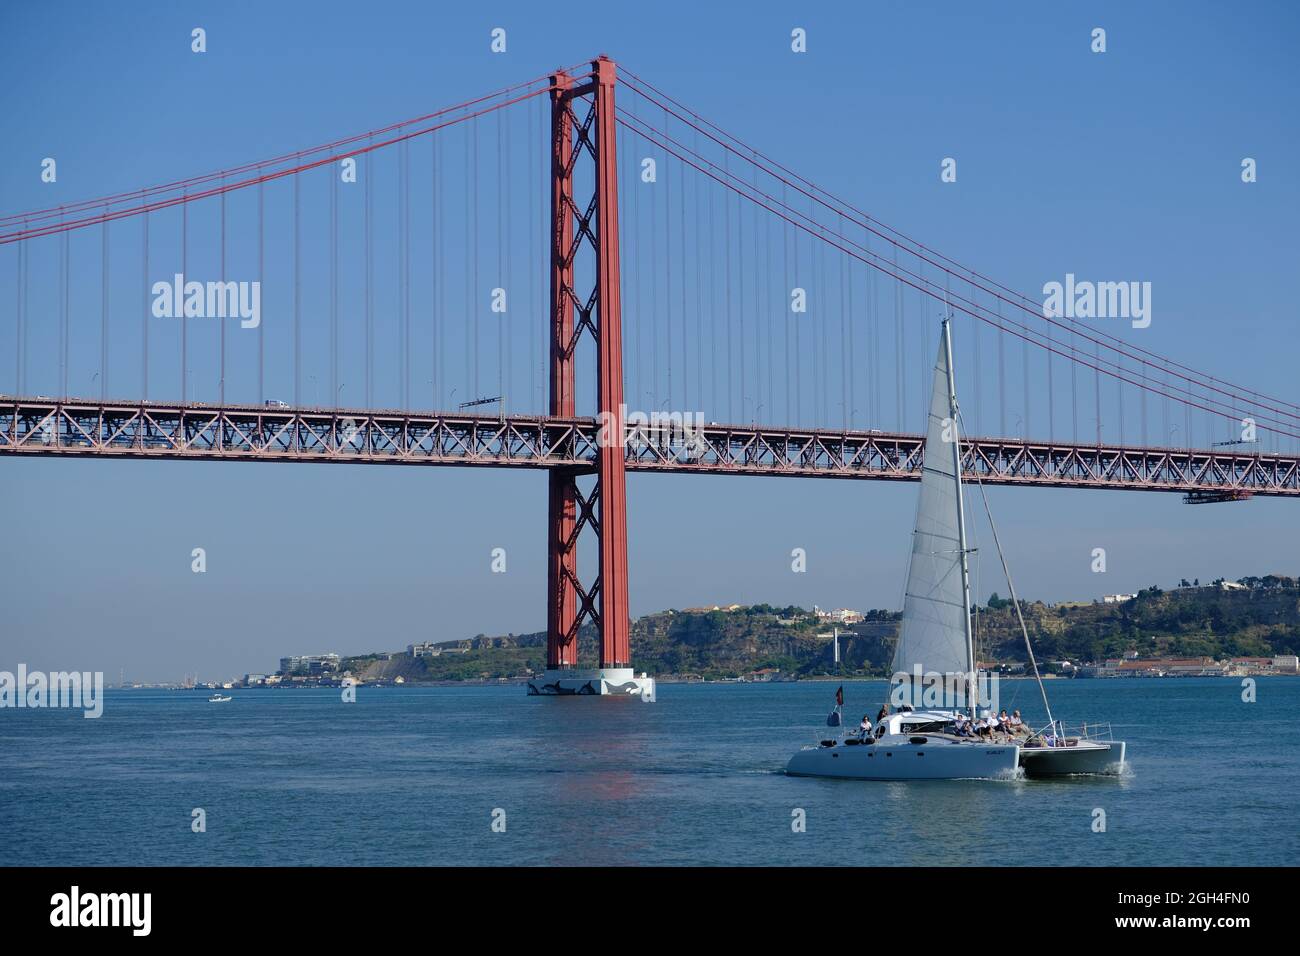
[(584, 301)]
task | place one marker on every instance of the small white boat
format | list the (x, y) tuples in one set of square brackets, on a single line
[(219, 699), (936, 684)]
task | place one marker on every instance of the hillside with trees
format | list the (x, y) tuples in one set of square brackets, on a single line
[(1259, 619)]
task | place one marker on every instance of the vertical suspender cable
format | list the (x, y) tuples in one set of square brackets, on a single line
[(334, 285), (667, 265), (699, 306), (297, 292), (185, 233), (144, 305), (474, 311), (501, 267), (261, 265), (64, 312), (221, 381), (103, 317), (726, 249), (372, 166)]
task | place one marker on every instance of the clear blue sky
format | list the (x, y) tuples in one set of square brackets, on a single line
[(1121, 164)]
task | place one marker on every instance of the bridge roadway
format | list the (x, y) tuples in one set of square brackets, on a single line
[(91, 428)]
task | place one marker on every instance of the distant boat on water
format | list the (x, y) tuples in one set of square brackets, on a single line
[(220, 699)]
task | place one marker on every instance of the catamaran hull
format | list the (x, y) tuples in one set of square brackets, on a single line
[(906, 762), (1093, 758)]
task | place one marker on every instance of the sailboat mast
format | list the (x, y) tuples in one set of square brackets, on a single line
[(971, 695)]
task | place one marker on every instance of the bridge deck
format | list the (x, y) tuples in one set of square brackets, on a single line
[(76, 427)]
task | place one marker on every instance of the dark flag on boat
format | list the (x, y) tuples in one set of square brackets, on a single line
[(833, 719)]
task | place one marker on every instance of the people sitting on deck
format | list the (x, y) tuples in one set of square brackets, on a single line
[(1015, 726), (961, 725), (864, 728), (984, 726), (883, 713)]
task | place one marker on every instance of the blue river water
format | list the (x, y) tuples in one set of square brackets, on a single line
[(417, 776)]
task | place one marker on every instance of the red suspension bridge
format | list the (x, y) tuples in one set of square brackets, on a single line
[(348, 303)]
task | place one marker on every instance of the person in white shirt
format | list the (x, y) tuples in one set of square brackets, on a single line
[(1015, 726)]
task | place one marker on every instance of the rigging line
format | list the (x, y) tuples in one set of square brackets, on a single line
[(262, 164), (923, 291), (1035, 310), (242, 184)]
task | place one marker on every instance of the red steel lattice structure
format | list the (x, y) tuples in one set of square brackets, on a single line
[(592, 226)]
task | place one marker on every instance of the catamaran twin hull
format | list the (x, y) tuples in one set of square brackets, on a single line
[(932, 759), (940, 759), (1084, 757)]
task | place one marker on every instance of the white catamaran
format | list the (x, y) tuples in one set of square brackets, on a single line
[(934, 661)]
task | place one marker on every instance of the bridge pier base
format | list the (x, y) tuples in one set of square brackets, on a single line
[(593, 682)]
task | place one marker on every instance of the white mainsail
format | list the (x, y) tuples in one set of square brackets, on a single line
[(935, 636)]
